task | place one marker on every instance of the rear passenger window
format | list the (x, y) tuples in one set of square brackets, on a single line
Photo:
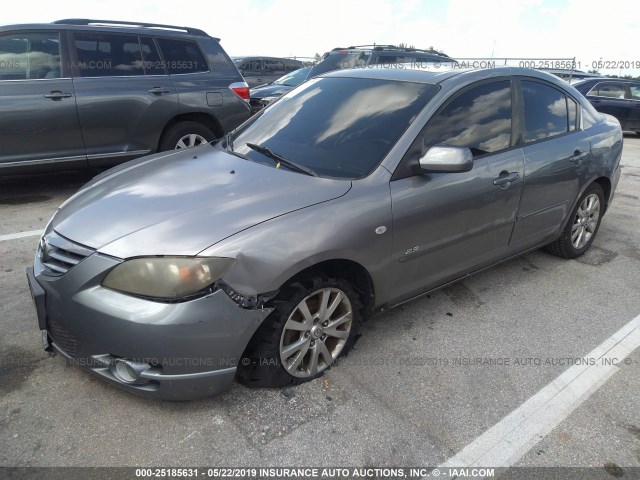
[(182, 56), (26, 56), (107, 55), (608, 89), (545, 111), (478, 119)]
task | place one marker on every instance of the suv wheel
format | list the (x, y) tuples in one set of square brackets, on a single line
[(185, 135), (583, 225), (314, 323)]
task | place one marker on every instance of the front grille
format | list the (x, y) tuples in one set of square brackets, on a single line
[(59, 254), (62, 338)]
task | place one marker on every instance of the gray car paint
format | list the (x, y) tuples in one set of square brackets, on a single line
[(279, 223), (203, 186)]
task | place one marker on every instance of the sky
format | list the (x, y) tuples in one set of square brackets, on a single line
[(587, 30)]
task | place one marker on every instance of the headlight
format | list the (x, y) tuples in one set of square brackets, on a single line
[(169, 278)]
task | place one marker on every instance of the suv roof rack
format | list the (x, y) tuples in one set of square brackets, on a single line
[(382, 48), (116, 23)]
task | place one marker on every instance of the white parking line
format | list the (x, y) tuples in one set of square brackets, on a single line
[(13, 236), (510, 439)]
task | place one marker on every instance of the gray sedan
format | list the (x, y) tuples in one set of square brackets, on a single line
[(257, 258)]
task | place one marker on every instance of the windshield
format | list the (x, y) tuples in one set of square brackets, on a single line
[(293, 79), (336, 127)]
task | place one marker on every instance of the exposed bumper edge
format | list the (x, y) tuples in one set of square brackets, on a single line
[(188, 386)]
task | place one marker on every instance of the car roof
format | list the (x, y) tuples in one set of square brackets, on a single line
[(608, 79), (388, 49), (264, 57), (438, 76), (110, 26)]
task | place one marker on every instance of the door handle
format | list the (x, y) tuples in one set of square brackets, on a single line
[(159, 90), (505, 179), (577, 157), (57, 95)]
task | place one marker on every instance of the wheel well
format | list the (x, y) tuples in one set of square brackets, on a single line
[(207, 120), (605, 183), (347, 270)]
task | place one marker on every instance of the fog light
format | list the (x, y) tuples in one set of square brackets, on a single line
[(129, 372)]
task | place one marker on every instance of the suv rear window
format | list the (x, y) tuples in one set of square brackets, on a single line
[(182, 56)]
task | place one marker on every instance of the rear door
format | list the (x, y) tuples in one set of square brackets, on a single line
[(634, 94), (124, 95), (556, 157), (449, 224), (39, 122)]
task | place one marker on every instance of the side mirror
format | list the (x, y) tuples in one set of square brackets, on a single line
[(447, 159)]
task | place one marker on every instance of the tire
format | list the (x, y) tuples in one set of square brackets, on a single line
[(267, 361), (583, 225), (185, 135)]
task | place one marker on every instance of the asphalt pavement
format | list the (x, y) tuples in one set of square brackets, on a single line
[(424, 381)]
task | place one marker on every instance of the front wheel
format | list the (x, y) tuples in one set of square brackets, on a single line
[(584, 223), (314, 322)]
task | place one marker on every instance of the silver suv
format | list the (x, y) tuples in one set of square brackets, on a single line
[(92, 93)]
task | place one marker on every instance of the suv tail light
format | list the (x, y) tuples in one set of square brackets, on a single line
[(241, 89)]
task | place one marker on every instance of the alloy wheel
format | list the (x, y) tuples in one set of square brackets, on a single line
[(585, 221), (190, 140), (316, 332)]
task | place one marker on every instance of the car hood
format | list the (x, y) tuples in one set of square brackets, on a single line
[(184, 202), (269, 90)]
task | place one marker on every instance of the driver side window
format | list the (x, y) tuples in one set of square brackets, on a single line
[(479, 118)]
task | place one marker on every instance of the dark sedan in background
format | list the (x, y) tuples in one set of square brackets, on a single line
[(617, 97), (263, 95)]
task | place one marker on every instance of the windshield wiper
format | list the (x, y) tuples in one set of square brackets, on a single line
[(280, 159)]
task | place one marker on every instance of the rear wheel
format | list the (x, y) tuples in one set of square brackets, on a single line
[(583, 225), (314, 322), (185, 135)]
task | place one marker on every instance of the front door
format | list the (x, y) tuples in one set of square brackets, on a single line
[(38, 118), (449, 224)]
